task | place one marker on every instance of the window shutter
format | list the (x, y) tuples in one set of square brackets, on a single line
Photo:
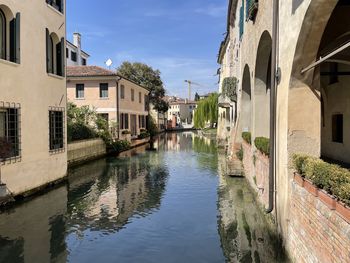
[(18, 38), (48, 43), (13, 40), (63, 57), (62, 6)]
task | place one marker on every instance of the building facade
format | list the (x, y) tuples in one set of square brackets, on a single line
[(123, 103), (183, 110), (74, 54), (33, 94), (291, 62)]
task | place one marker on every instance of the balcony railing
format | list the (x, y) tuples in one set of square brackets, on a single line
[(251, 9)]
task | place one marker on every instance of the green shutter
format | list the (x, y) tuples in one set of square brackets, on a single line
[(18, 38)]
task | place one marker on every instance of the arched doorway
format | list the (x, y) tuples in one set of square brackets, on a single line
[(246, 102), (318, 111), (262, 87)]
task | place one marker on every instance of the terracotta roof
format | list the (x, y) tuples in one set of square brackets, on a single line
[(182, 102), (88, 71)]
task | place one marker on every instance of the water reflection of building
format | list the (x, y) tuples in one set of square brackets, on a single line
[(244, 232), (103, 196), (35, 231)]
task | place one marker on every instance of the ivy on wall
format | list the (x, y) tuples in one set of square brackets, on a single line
[(229, 88)]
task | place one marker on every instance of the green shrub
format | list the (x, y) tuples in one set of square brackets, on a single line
[(330, 177), (240, 153), (125, 132), (247, 136), (144, 134), (79, 131), (263, 145), (120, 146)]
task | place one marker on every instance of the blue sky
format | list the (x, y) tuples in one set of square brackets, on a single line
[(181, 38)]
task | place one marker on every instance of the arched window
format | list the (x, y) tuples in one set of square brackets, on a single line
[(55, 56), (2, 35)]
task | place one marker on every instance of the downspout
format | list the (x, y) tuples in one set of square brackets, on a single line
[(117, 103), (272, 167)]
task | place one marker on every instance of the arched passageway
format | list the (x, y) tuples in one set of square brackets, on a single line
[(246, 103), (262, 87), (318, 107)]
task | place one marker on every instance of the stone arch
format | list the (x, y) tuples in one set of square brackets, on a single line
[(262, 86), (312, 99), (246, 102)]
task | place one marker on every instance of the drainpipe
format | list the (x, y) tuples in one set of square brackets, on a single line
[(272, 168), (117, 104)]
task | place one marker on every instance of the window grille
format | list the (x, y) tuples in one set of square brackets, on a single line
[(10, 132), (56, 129)]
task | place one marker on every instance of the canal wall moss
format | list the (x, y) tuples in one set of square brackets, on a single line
[(86, 150)]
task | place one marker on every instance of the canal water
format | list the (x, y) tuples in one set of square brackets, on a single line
[(170, 203)]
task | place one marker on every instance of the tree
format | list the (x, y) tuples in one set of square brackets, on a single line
[(196, 97), (147, 77), (207, 111)]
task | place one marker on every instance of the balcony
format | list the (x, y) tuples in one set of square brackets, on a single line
[(252, 9)]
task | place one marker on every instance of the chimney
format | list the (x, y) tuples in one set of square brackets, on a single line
[(77, 40), (77, 43)]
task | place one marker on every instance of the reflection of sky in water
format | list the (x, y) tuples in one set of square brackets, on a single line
[(146, 206)]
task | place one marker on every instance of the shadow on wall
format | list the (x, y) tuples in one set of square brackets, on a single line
[(295, 5)]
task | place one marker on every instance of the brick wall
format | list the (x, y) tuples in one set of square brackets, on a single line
[(256, 170), (316, 233)]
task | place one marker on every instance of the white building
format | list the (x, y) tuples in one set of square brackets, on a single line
[(75, 55), (183, 110)]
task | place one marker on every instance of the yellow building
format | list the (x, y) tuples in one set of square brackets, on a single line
[(33, 94), (118, 100)]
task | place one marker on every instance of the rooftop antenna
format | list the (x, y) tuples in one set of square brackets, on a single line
[(109, 63)]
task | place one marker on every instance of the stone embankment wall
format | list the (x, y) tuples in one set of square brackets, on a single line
[(316, 232), (256, 170), (85, 150)]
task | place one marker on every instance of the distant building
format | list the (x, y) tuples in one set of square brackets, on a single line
[(160, 118), (121, 102), (183, 111), (74, 53)]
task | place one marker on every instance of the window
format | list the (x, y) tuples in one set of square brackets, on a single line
[(104, 116), (146, 103), (2, 35), (337, 128), (132, 94), (56, 129), (103, 90), (122, 92), (333, 71), (142, 121), (140, 98), (57, 4), (10, 37), (83, 61), (9, 132), (55, 57), (124, 121), (73, 56), (67, 53), (80, 91)]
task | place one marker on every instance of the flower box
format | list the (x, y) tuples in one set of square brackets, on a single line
[(299, 179), (310, 187), (343, 210), (327, 199)]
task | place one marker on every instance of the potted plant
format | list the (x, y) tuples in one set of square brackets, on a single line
[(5, 152)]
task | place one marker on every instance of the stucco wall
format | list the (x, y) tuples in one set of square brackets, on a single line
[(28, 83), (85, 150)]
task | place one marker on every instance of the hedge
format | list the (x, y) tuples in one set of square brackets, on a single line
[(120, 146), (78, 131), (263, 145), (247, 136), (330, 177)]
